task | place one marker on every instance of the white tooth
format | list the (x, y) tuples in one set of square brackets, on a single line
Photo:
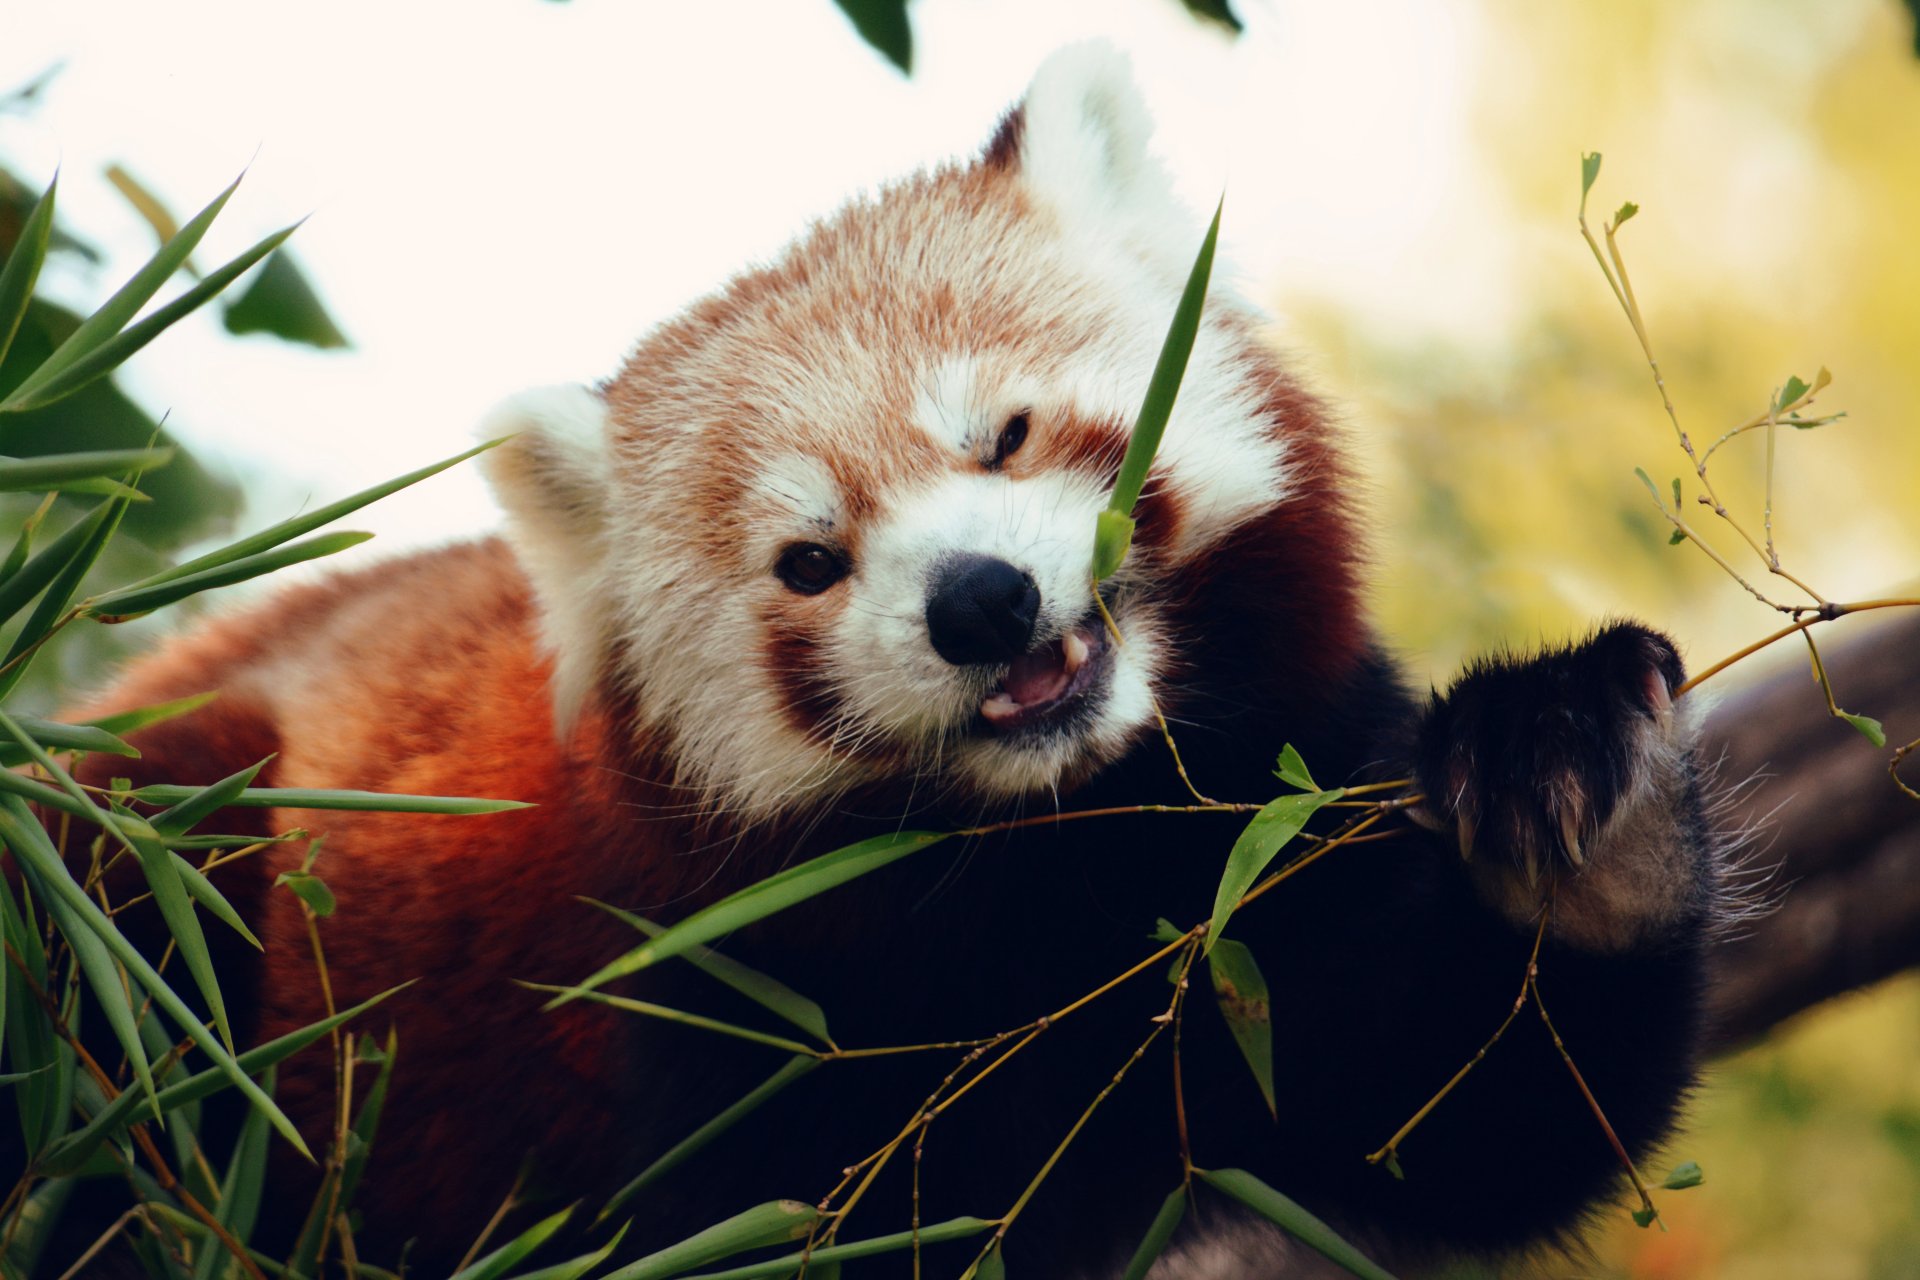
[(999, 706), (1076, 651)]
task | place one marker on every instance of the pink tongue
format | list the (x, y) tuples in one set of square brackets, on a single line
[(1037, 677)]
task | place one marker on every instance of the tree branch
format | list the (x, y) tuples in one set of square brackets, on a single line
[(1842, 841)]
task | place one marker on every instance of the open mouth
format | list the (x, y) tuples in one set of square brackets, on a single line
[(1047, 680)]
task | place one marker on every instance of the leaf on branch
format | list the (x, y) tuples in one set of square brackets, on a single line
[(311, 890), (1293, 770), (1684, 1176), (1589, 170), (1242, 992), (1624, 212), (1269, 831), (1869, 728)]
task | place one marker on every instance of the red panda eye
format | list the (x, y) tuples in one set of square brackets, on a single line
[(809, 568), (1011, 437)]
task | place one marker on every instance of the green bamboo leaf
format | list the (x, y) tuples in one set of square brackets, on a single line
[(305, 798), (1172, 1211), (205, 802), (883, 24), (1279, 822), (72, 1152), (575, 1268), (1684, 1176), (117, 606), (833, 1255), (123, 722), (992, 1265), (675, 1155), (60, 591), (63, 470), (310, 889), (366, 1125), (45, 565), (1869, 728), (23, 266), (1652, 488), (282, 302), (757, 901), (1589, 170), (116, 999), (55, 736), (117, 311), (238, 1206), (680, 1016), (23, 542), (29, 1232), (1162, 390), (510, 1254), (1292, 770), (774, 1222), (1624, 212), (176, 908), (204, 893), (1216, 11), (767, 992), (1294, 1220), (31, 848), (287, 530), (1242, 992)]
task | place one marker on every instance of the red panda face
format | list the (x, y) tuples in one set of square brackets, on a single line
[(834, 525)]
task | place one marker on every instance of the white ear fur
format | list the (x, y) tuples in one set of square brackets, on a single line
[(552, 480), (1083, 145)]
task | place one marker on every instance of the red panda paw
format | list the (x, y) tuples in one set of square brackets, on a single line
[(1568, 782)]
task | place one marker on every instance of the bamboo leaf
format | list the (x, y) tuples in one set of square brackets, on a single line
[(1869, 728), (76, 1148), (238, 1207), (680, 1016), (282, 302), (1242, 992), (287, 530), (992, 1266), (22, 271), (774, 1222), (1162, 389), (204, 893), (833, 1255), (1292, 770), (122, 722), (757, 901), (883, 24), (675, 1155), (366, 1125), (176, 908), (66, 580), (56, 736), (62, 470), (1684, 1176), (1279, 822), (311, 890), (575, 1268), (767, 992), (1294, 1220), (117, 311), (1589, 170), (188, 813), (116, 606), (1172, 1211), (503, 1259), (32, 848), (303, 798), (115, 997)]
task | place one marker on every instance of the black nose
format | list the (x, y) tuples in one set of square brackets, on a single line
[(981, 610)]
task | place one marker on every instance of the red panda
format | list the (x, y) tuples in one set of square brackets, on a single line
[(813, 564)]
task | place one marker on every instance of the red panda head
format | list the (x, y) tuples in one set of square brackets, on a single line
[(834, 524)]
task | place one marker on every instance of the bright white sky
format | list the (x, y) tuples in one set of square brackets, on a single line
[(510, 192)]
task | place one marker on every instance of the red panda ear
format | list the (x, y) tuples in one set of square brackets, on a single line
[(1078, 141), (552, 479)]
